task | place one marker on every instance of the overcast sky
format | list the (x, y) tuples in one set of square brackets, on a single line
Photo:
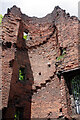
[(40, 8)]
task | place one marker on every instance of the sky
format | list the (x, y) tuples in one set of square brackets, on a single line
[(40, 8)]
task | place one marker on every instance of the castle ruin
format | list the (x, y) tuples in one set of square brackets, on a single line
[(49, 62)]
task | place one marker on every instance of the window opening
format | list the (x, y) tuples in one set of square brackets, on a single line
[(72, 78), (62, 53), (18, 114), (26, 36), (60, 109), (1, 18), (21, 74), (76, 92)]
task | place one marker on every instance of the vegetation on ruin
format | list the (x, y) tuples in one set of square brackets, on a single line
[(1, 18), (25, 37), (16, 117), (62, 56), (21, 75)]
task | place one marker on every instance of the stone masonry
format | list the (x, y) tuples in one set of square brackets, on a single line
[(44, 93)]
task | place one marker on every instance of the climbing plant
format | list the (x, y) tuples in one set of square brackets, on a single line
[(17, 115), (25, 37), (21, 74), (62, 55), (1, 18)]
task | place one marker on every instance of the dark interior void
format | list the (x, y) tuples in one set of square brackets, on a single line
[(69, 76), (19, 113), (72, 79)]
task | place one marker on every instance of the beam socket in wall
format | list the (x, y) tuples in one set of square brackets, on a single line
[(39, 73), (30, 38), (27, 78), (8, 44), (49, 65), (60, 109)]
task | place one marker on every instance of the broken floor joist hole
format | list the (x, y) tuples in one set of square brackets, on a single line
[(49, 65), (43, 84), (38, 87), (39, 73), (60, 109), (48, 81)]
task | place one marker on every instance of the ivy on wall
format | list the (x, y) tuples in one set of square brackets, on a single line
[(62, 55), (25, 37), (21, 74), (1, 18)]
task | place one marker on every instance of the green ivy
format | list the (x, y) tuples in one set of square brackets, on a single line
[(21, 75), (25, 37), (1, 18), (64, 52), (62, 56), (16, 116)]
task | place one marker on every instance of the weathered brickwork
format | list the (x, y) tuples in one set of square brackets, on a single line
[(0, 67), (45, 92)]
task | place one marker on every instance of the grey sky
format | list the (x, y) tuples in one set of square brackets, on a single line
[(40, 8)]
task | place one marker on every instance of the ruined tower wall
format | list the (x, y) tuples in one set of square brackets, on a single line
[(68, 38), (15, 55), (0, 67), (47, 94), (10, 31)]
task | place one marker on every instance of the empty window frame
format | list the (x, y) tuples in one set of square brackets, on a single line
[(73, 83), (18, 113), (22, 74), (26, 36)]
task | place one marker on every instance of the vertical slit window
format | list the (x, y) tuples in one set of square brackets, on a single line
[(21, 74), (18, 114)]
